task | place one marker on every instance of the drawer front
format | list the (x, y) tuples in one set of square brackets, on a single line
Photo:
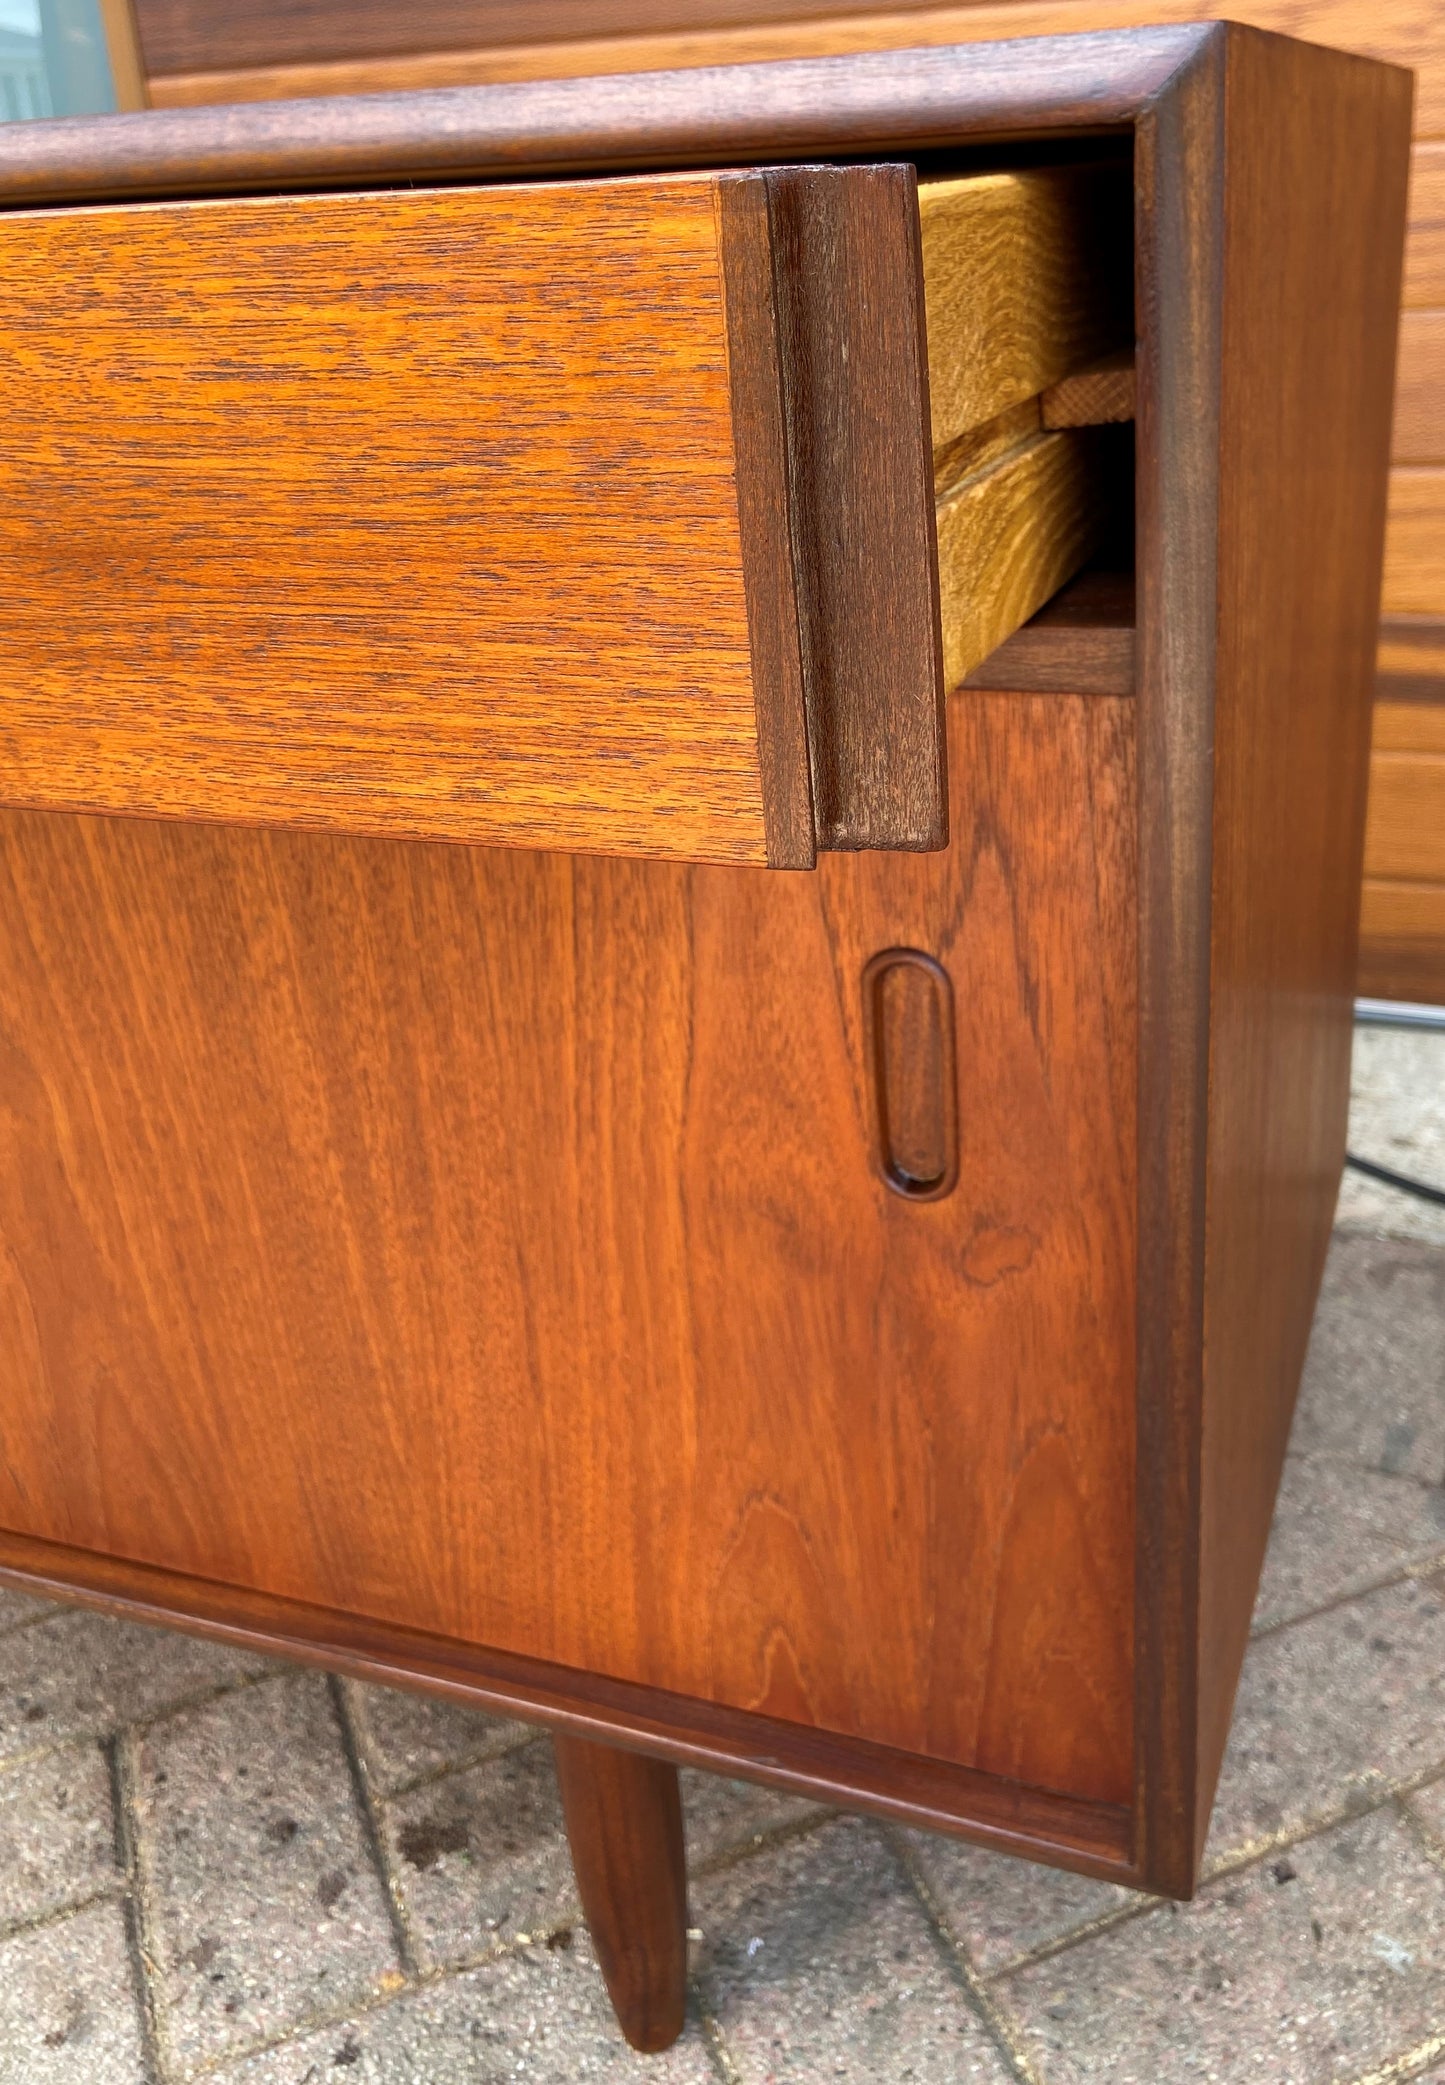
[(593, 515)]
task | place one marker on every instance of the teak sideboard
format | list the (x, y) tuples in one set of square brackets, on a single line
[(683, 765)]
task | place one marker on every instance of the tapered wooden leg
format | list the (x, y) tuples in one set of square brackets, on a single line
[(624, 1825)]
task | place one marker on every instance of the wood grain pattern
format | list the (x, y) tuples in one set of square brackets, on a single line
[(1425, 240), (191, 35), (1408, 727), (695, 1094), (1402, 32), (1402, 941), (1415, 541), (1405, 831), (1011, 534), (122, 46), (890, 105), (343, 559), (1178, 186), (624, 1828), (766, 521), (1317, 154), (1083, 642), (544, 1182), (1026, 276), (1093, 1838), (853, 354), (1402, 918), (1410, 660), (1419, 433), (310, 519), (1094, 397)]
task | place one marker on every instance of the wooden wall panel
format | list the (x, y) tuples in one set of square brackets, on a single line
[(191, 35), (1402, 941), (1425, 242), (1405, 837), (1407, 32), (1415, 542), (1402, 924), (544, 1184), (1419, 435)]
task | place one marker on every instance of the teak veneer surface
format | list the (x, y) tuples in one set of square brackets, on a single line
[(481, 514), (991, 1459), (624, 1827), (1081, 642), (434, 638), (539, 1188), (893, 104), (328, 509), (1314, 193)]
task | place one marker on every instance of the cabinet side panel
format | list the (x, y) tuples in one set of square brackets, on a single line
[(487, 1243), (1177, 155), (1316, 162)]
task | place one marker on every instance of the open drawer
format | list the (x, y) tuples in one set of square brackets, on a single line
[(592, 515)]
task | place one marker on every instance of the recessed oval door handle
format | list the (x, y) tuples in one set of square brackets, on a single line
[(909, 1048)]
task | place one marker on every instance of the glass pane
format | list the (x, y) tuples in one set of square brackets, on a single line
[(53, 60)]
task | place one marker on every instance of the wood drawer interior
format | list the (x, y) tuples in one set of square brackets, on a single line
[(1028, 289)]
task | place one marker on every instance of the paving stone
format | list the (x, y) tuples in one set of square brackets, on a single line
[(16, 1609), (68, 2009), (269, 1910), (481, 1856), (406, 1736), (81, 1674), (1374, 1384), (721, 1817), (818, 1963), (1397, 1117), (1298, 1972), (1003, 1910), (57, 1832), (540, 2014), (1338, 1530), (1331, 1712)]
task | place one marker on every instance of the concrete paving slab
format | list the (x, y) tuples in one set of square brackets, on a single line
[(1004, 1911), (724, 1818), (1428, 1805), (82, 1674), (57, 1833), (1339, 1529), (267, 1908), (817, 1962), (1397, 1118), (1298, 1972), (405, 1737), (481, 1856), (539, 2015), (1373, 1392), (68, 2007), (16, 1609), (1331, 1712)]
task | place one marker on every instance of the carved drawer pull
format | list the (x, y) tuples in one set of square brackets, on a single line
[(908, 1044)]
